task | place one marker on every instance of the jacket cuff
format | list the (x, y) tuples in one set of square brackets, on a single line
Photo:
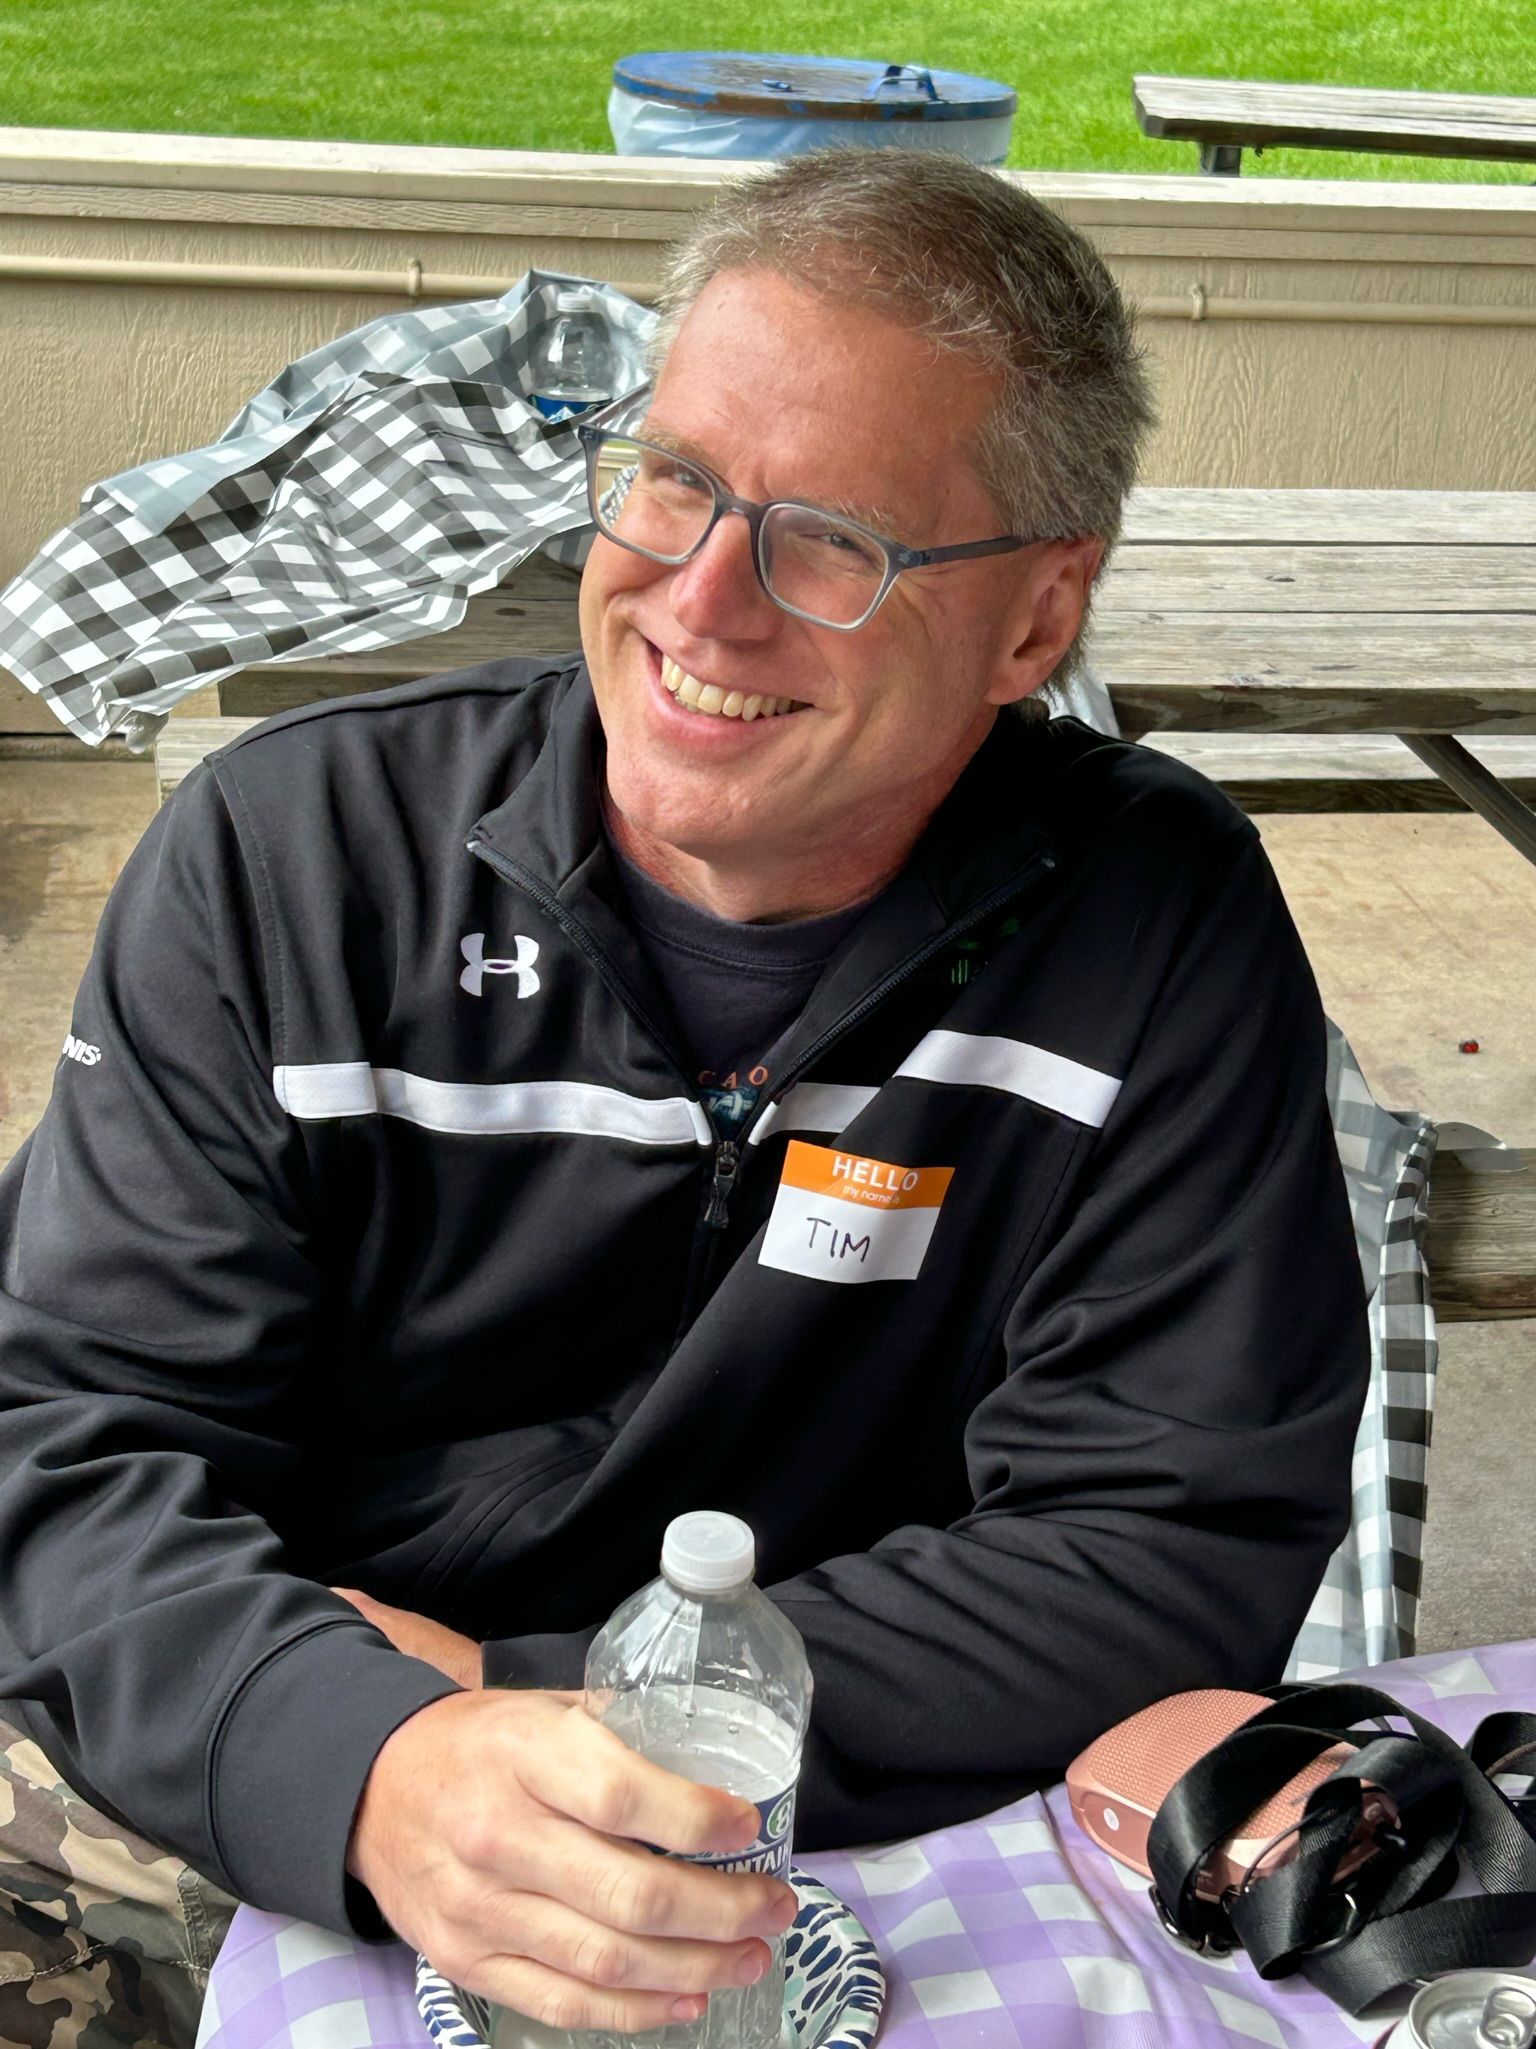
[(555, 1662), (289, 1760)]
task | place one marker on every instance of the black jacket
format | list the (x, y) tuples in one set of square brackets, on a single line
[(374, 1236)]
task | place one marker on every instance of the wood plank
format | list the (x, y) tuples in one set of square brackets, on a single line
[(22, 711), (1267, 773), (183, 743), (1348, 103), (1356, 518), (1218, 577), (1480, 1244), (363, 169), (494, 627), (60, 745), (1259, 116), (1288, 772), (1395, 673), (1195, 672), (1279, 756)]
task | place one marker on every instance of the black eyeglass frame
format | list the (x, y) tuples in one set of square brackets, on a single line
[(898, 557)]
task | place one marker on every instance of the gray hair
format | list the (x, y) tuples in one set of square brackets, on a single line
[(982, 268)]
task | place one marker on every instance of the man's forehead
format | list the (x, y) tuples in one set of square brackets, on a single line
[(785, 389)]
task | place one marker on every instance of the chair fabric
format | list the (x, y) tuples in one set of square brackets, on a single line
[(1366, 1609)]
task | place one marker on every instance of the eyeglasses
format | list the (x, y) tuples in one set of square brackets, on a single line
[(812, 563)]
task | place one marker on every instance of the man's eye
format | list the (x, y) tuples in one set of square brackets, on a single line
[(845, 550), (676, 477)]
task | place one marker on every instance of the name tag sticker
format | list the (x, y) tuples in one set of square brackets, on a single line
[(840, 1217)]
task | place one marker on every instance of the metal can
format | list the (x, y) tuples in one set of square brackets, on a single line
[(1469, 2010)]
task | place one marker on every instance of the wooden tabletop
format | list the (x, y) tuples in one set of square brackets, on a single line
[(1223, 611), (1252, 114), (1322, 611)]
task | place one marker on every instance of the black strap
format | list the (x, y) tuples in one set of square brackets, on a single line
[(1389, 1922)]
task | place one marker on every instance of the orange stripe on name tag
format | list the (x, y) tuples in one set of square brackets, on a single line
[(876, 1184)]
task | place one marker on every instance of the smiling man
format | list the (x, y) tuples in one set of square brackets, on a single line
[(759, 1063), (766, 766)]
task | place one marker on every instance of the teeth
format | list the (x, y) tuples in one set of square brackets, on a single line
[(714, 702)]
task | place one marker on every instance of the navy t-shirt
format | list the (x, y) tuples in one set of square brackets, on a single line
[(735, 989)]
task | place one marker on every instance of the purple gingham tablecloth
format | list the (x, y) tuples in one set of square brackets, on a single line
[(1011, 1932)]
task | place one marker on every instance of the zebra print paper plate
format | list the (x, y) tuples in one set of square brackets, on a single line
[(834, 1989)]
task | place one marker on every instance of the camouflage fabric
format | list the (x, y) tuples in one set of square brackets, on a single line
[(105, 1941)]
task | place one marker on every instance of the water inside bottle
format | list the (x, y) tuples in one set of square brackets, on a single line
[(715, 1738)]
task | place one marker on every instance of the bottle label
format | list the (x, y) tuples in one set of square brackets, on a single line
[(770, 1853), (553, 407)]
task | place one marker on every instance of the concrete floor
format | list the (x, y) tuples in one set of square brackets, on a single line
[(1423, 934)]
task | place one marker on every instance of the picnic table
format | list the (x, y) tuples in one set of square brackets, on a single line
[(1009, 1932), (1272, 631), (1225, 116)]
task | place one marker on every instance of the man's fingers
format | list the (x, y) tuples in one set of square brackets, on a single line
[(594, 1778), (563, 2002), (630, 1890), (608, 1959)]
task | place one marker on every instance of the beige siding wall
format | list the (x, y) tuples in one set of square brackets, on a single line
[(98, 375)]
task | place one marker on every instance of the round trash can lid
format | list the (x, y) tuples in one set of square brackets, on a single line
[(825, 88)]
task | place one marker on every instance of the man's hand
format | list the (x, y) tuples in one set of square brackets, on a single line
[(493, 1833), (419, 1637)]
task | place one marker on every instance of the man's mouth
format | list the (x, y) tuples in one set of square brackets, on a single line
[(710, 701)]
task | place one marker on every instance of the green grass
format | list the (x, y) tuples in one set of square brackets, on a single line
[(513, 74)]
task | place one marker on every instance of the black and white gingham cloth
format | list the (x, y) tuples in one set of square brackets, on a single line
[(357, 502), (1367, 1606)]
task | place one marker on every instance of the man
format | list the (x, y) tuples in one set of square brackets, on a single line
[(753, 1067)]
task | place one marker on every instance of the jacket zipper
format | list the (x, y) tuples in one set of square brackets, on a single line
[(727, 1166), (728, 1153)]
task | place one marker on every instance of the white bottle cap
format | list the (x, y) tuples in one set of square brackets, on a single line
[(707, 1552)]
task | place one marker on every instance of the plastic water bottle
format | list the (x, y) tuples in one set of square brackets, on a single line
[(701, 1673), (574, 366)]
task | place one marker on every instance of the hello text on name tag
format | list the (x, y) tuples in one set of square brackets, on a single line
[(840, 1217)]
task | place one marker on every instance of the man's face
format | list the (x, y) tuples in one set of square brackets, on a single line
[(785, 393)]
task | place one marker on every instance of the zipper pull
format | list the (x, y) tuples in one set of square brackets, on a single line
[(727, 1163)]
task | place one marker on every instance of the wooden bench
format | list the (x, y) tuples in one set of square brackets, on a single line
[(1481, 1242), (1225, 116), (1263, 772), (1266, 772)]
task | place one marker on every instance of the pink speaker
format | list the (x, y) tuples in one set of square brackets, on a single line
[(1120, 1781)]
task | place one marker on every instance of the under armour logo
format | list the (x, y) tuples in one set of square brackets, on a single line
[(472, 946)]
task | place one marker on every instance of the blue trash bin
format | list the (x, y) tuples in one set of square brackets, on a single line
[(730, 103)]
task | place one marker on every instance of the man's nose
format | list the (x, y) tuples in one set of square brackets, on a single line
[(717, 595)]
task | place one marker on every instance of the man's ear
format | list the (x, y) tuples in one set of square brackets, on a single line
[(1049, 610)]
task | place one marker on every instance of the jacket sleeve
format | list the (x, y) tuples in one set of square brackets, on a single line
[(161, 1362), (1163, 1466)]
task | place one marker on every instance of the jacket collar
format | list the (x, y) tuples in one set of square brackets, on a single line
[(984, 837)]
